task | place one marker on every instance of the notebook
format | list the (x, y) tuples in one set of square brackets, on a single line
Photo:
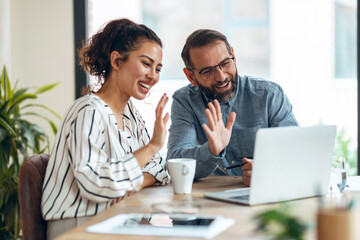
[(289, 163)]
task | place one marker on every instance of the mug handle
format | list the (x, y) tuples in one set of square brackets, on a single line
[(185, 170)]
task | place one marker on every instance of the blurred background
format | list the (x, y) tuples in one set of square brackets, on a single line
[(308, 47)]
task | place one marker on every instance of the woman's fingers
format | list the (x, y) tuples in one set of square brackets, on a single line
[(161, 105), (166, 118)]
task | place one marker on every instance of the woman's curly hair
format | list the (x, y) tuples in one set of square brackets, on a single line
[(121, 35)]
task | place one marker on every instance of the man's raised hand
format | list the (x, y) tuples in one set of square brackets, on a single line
[(218, 135)]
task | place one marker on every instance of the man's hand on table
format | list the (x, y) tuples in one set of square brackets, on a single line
[(247, 171)]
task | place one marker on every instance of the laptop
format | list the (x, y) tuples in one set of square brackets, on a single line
[(289, 163)]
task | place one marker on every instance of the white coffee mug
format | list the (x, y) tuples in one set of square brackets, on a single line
[(182, 172)]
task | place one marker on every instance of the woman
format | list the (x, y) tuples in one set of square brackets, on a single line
[(102, 150)]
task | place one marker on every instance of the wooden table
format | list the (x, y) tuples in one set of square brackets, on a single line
[(142, 201)]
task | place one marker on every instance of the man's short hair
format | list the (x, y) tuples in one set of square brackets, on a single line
[(200, 38)]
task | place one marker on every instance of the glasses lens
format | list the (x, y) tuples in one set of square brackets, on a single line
[(225, 66), (208, 74)]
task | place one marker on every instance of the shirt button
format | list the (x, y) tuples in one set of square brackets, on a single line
[(232, 162)]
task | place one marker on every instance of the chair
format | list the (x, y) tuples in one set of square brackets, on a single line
[(31, 177)]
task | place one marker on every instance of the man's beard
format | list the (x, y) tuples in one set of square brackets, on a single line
[(210, 92)]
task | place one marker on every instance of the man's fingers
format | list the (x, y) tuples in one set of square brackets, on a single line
[(248, 164), (248, 160), (246, 180), (247, 173), (206, 130), (246, 167), (213, 111), (210, 118), (231, 121), (218, 110)]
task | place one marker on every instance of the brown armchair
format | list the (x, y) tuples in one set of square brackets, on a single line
[(31, 177)]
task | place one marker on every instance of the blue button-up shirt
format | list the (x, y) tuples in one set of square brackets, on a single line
[(257, 103)]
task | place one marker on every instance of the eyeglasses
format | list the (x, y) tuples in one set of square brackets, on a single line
[(209, 72)]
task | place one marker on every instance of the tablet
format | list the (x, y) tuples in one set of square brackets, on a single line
[(160, 224)]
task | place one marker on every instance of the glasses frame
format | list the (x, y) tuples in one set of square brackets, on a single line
[(212, 68)]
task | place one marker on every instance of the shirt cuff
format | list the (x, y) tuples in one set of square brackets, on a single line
[(134, 172), (206, 154), (159, 173)]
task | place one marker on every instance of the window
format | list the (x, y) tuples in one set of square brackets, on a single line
[(345, 39), (308, 47)]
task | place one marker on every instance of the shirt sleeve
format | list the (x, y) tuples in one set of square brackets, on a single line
[(99, 177), (182, 141), (156, 166), (280, 110)]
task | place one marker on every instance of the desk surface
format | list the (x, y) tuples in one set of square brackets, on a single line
[(142, 201)]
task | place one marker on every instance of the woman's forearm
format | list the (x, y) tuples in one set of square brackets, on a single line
[(148, 180)]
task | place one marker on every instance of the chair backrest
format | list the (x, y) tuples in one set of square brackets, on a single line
[(31, 177)]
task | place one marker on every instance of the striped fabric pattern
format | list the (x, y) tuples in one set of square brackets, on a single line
[(91, 162)]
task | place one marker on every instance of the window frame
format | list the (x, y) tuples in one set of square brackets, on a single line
[(80, 33)]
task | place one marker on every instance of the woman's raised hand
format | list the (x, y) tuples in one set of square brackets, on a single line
[(159, 133), (144, 154)]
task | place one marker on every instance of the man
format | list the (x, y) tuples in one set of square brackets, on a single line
[(218, 95)]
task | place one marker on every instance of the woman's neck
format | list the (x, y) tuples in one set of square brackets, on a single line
[(112, 96)]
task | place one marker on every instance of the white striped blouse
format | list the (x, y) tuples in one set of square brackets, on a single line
[(91, 162)]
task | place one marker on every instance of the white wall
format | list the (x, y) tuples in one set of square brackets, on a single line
[(42, 51), (5, 42)]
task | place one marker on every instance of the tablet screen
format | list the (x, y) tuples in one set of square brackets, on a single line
[(163, 224), (166, 220)]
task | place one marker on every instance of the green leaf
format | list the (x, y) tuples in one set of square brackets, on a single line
[(53, 127), (20, 99), (37, 115), (26, 134), (4, 106), (3, 134), (8, 125), (19, 92), (15, 86), (5, 84), (42, 106), (52, 124), (46, 88)]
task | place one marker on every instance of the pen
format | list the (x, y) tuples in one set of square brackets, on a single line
[(235, 166)]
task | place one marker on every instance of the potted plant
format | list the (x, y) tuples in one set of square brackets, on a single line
[(19, 138), (279, 223)]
